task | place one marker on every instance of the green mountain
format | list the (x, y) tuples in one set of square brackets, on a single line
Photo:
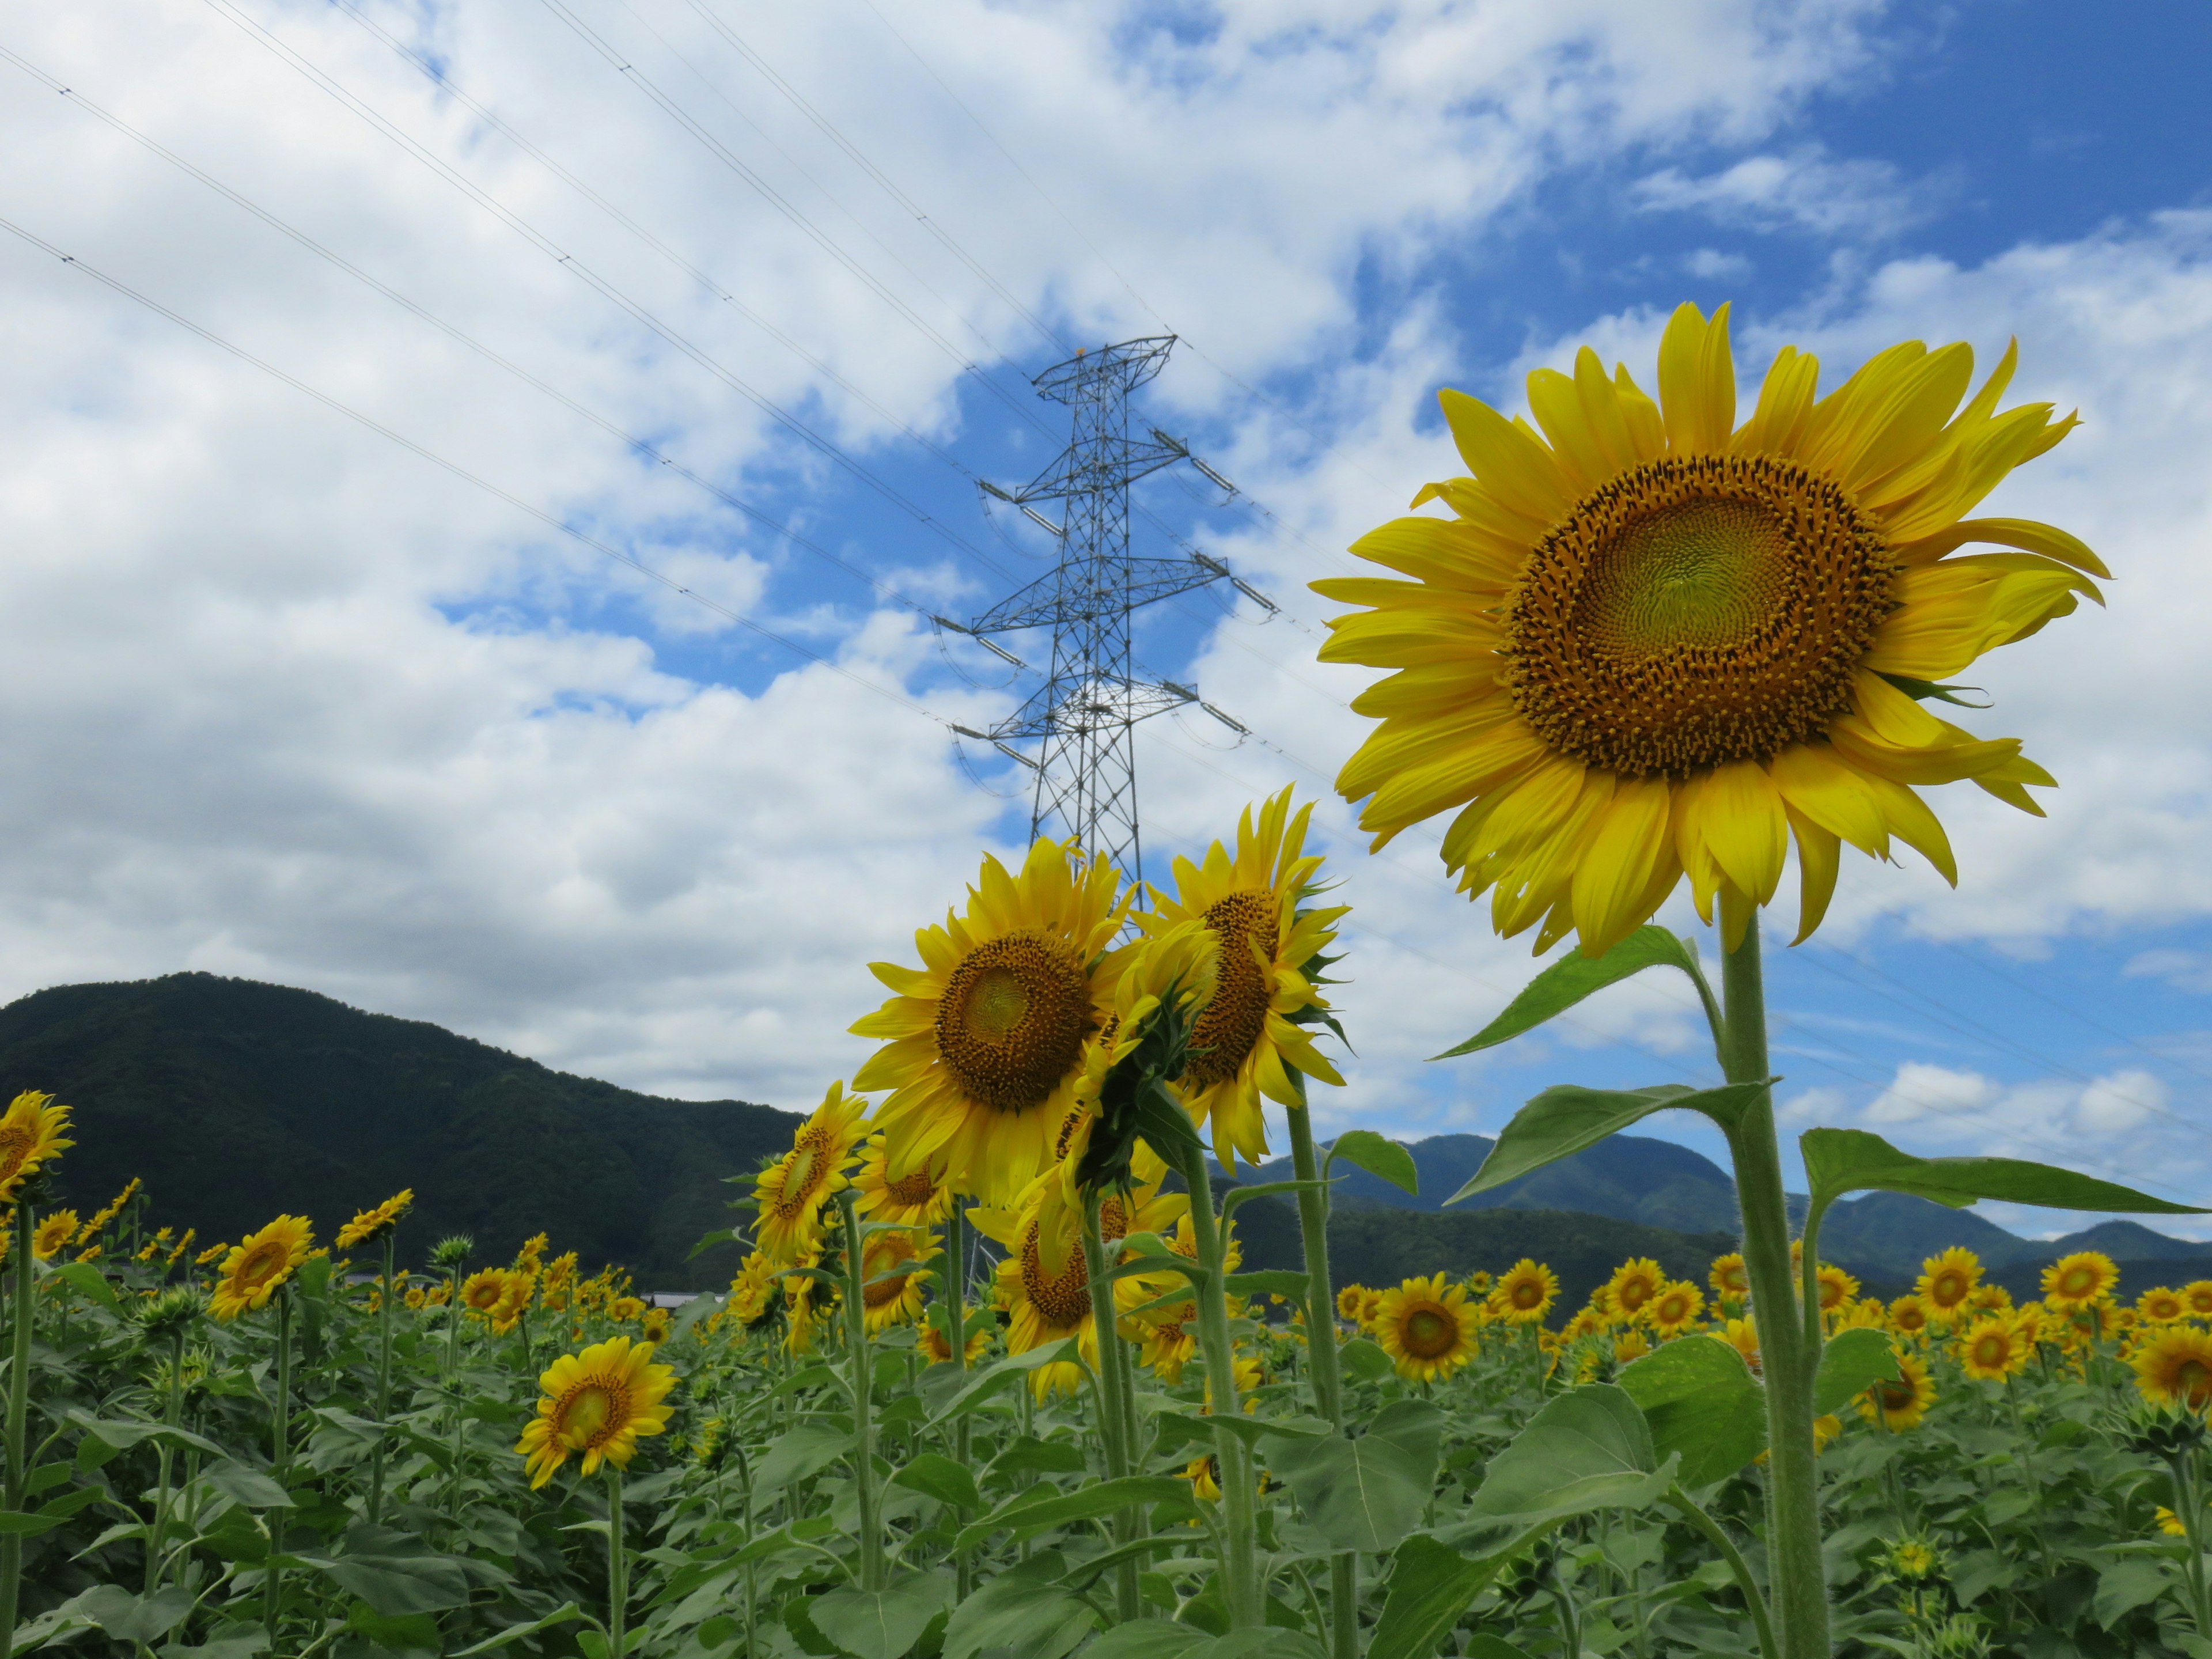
[(235, 1101)]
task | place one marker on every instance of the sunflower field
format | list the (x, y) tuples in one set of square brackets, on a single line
[(992, 1382)]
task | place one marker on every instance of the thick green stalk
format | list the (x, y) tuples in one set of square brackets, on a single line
[(19, 1415), (1322, 1361), (2189, 1504), (1786, 1357), (956, 1280), (172, 1414), (1240, 1574), (864, 1436), (383, 1385), (617, 1567), (280, 1436), (1114, 1413)]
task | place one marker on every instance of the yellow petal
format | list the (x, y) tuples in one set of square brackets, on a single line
[(1696, 382), (1816, 783), (1785, 404), (1819, 852), (1735, 813), (1617, 865), (1510, 464), (2024, 533)]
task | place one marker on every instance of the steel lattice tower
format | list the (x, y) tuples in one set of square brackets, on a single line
[(1083, 719)]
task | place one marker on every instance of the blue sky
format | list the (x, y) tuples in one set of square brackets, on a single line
[(296, 703)]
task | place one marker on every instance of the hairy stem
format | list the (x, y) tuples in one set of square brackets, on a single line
[(1322, 1360), (1239, 1563)]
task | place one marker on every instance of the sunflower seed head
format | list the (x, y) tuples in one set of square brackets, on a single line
[(165, 1317), (453, 1252), (2159, 1430)]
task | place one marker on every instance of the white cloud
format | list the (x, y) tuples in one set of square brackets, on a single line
[(2186, 970), (1802, 189)]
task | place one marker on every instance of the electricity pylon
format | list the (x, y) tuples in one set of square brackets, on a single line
[(1083, 719)]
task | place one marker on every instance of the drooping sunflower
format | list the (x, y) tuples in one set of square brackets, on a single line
[(56, 1232), (919, 1197), (1946, 1280), (1045, 1279), (31, 1131), (792, 1191), (1899, 1403), (1164, 1333), (1676, 1308), (1908, 1314), (2175, 1367), (985, 1040), (514, 1300), (370, 1225), (751, 1288), (1728, 1277), (1651, 642), (598, 1403), (1992, 1350), (2076, 1280), (889, 1296), (1425, 1326), (262, 1262), (1631, 1287), (1248, 1032), (1524, 1293)]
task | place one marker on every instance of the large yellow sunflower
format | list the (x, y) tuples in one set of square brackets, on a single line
[(1676, 1308), (1730, 1281), (1523, 1293), (792, 1191), (2161, 1306), (31, 1133), (56, 1232), (1044, 1281), (1426, 1327), (260, 1263), (1946, 1280), (1247, 1034), (2076, 1280), (985, 1040), (889, 1295), (1651, 642), (1633, 1284), (919, 1197), (481, 1289), (2175, 1367), (1993, 1349), (1908, 1314), (1899, 1403), (600, 1402)]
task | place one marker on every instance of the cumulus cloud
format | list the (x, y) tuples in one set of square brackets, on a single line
[(1804, 189)]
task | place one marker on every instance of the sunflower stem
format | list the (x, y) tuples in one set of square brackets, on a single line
[(864, 1436), (164, 1454), (617, 1565), (383, 1385), (963, 1444), (1322, 1363), (1113, 1415), (1239, 1562), (280, 1436), (1788, 1359), (1754, 1597), (18, 1412)]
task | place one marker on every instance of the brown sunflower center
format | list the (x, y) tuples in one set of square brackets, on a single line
[(1992, 1349), (884, 1291), (1062, 1302), (1895, 1396), (2192, 1381), (1012, 1020), (2077, 1281), (1232, 1024), (1947, 1289), (1696, 610), (593, 1412), (1526, 1293), (912, 1189), (1428, 1333), (260, 1266), (1632, 1294), (797, 1189), (14, 1146)]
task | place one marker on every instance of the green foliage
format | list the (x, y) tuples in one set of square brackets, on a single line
[(1566, 1118), (1575, 977), (1839, 1161), (1703, 1406)]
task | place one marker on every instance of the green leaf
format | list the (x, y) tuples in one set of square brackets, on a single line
[(315, 1275), (1385, 1158), (1851, 1362), (940, 1478), (561, 1615), (800, 1452), (1573, 977), (1589, 1449), (15, 1523), (984, 1384), (1364, 1494), (1430, 1588), (1147, 1639), (1565, 1119), (91, 1282), (1040, 1509), (1021, 1612), (394, 1573), (1275, 1281), (1363, 1361), (1237, 1195), (1839, 1161), (1177, 1428), (882, 1624), (2127, 1585), (248, 1488), (129, 1618), (1702, 1404)]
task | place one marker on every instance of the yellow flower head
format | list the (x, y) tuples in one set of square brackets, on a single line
[(1650, 642), (369, 1225), (262, 1262), (1946, 1280), (890, 1278), (31, 1131), (1524, 1293), (598, 1403), (751, 1290), (1908, 1314), (2198, 1293), (939, 1352), (481, 1289), (920, 1198), (1900, 1405), (1730, 1282), (1742, 1335), (1249, 1033), (2161, 1306), (1349, 1300), (513, 1297), (2170, 1523), (1427, 1328), (56, 1232), (2174, 1367), (792, 1190), (1631, 1287), (417, 1296), (1675, 1309), (626, 1308), (984, 1041), (1992, 1350), (2076, 1280), (1836, 1287)]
